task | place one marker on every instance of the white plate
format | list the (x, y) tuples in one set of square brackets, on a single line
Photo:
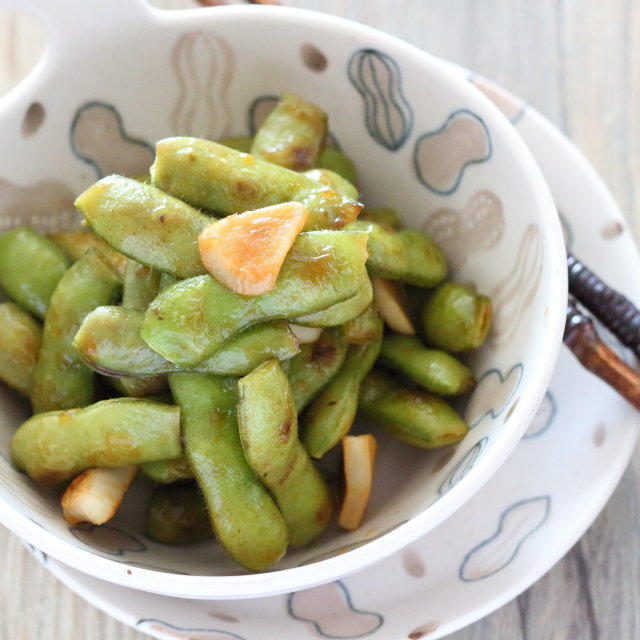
[(510, 533)]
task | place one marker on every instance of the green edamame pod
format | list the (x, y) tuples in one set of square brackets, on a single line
[(191, 320), (407, 255), (20, 340), (455, 318), (109, 342), (30, 268), (243, 515), (76, 242), (178, 515), (383, 216), (341, 312), (145, 224), (363, 328), (330, 158), (268, 425), (61, 380), (333, 180), (241, 143), (315, 365), (54, 446), (414, 416), (435, 370), (166, 471), (210, 176), (141, 285), (331, 414), (337, 162), (292, 135), (166, 281)]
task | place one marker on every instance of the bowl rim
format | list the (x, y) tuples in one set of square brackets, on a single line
[(302, 577)]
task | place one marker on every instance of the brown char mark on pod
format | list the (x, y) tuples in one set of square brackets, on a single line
[(388, 114)]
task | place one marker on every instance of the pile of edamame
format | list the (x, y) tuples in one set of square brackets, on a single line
[(131, 353)]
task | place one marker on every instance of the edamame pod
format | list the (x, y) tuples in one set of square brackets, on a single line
[(145, 224), (342, 312), (241, 143), (214, 177), (76, 242), (433, 369), (166, 281), (109, 342), (315, 365), (178, 515), (243, 515), (383, 216), (54, 446), (30, 268), (292, 135), (414, 416), (338, 162), (141, 285), (331, 414), (61, 380), (20, 339), (268, 425), (191, 320), (455, 318), (363, 328), (407, 255), (166, 471), (333, 180)]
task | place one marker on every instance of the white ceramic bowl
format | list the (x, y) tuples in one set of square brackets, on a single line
[(119, 75)]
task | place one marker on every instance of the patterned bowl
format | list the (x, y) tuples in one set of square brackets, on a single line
[(118, 75)]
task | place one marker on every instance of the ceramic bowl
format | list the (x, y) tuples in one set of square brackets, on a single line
[(117, 76)]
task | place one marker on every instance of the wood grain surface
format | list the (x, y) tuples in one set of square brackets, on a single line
[(578, 62)]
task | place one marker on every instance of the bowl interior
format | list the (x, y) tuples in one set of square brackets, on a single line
[(422, 142)]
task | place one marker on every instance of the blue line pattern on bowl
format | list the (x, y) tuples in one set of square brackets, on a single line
[(496, 399), (116, 542), (313, 606), (463, 466), (517, 523), (171, 632), (96, 131), (388, 116), (543, 418), (441, 156)]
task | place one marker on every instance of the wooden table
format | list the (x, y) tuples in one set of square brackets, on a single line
[(578, 62)]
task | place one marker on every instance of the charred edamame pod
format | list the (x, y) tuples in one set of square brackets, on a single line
[(20, 340), (310, 370), (414, 416), (76, 242), (243, 515), (30, 268), (342, 311), (333, 180), (191, 320), (331, 414), (455, 318), (214, 177), (435, 370), (268, 425), (54, 446), (178, 515), (292, 135), (145, 224), (363, 328), (408, 255), (336, 161), (109, 342), (61, 379)]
